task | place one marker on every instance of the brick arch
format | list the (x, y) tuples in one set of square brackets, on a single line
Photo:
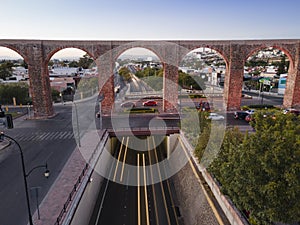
[(55, 50), (24, 56), (252, 51), (219, 51), (119, 53)]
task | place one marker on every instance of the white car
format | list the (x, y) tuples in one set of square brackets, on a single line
[(215, 116)]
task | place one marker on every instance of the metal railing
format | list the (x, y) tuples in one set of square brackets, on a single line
[(71, 195)]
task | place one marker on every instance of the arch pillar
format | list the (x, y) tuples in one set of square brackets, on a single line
[(171, 55), (39, 89), (234, 79), (170, 86), (105, 66), (292, 90)]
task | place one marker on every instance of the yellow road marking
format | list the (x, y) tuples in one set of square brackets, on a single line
[(114, 179), (172, 201), (153, 189), (124, 159), (220, 221), (138, 189), (145, 190), (161, 185)]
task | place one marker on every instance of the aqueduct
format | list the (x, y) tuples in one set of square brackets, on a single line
[(37, 54)]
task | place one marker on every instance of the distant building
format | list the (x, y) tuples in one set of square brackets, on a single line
[(282, 84), (64, 71), (271, 71), (61, 83)]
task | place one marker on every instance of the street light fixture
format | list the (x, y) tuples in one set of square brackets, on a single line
[(25, 175)]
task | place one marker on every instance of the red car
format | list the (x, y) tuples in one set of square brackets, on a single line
[(150, 103)]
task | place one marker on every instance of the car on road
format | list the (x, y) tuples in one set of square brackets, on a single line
[(203, 106), (215, 116), (150, 103), (240, 115), (128, 105)]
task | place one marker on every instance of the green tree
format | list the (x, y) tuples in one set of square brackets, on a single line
[(186, 81), (125, 73), (73, 64), (6, 69), (18, 90), (282, 66), (85, 62), (261, 173)]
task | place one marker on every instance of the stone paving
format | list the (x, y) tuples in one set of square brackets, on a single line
[(58, 194)]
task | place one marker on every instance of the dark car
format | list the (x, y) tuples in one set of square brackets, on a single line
[(241, 115), (203, 106), (128, 105), (150, 103)]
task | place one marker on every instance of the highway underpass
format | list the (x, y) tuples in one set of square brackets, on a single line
[(141, 204), (137, 189)]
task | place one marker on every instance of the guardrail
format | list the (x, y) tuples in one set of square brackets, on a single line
[(89, 166), (71, 195)]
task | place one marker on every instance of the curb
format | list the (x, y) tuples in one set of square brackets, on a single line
[(4, 144)]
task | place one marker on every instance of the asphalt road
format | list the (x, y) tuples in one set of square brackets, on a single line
[(49, 140), (143, 204)]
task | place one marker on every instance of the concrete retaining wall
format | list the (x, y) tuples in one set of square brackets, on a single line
[(230, 211), (232, 214), (194, 207)]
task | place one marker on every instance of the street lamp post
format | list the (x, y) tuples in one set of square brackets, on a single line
[(25, 175), (77, 122), (100, 98)]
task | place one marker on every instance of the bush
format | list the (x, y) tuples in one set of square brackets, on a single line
[(264, 106), (18, 90)]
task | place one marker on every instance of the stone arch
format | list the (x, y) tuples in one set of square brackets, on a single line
[(212, 47), (128, 47), (143, 50), (18, 51), (254, 50), (286, 51), (55, 50)]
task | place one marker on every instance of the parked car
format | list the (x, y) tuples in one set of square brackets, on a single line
[(215, 116), (203, 106), (294, 111), (128, 105), (249, 118), (250, 111), (150, 103), (241, 115)]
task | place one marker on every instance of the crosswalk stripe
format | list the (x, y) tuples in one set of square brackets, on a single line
[(53, 136), (43, 136)]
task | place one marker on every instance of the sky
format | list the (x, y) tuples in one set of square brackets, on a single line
[(149, 20)]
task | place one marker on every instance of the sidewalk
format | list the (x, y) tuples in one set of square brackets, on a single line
[(58, 194), (53, 203)]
